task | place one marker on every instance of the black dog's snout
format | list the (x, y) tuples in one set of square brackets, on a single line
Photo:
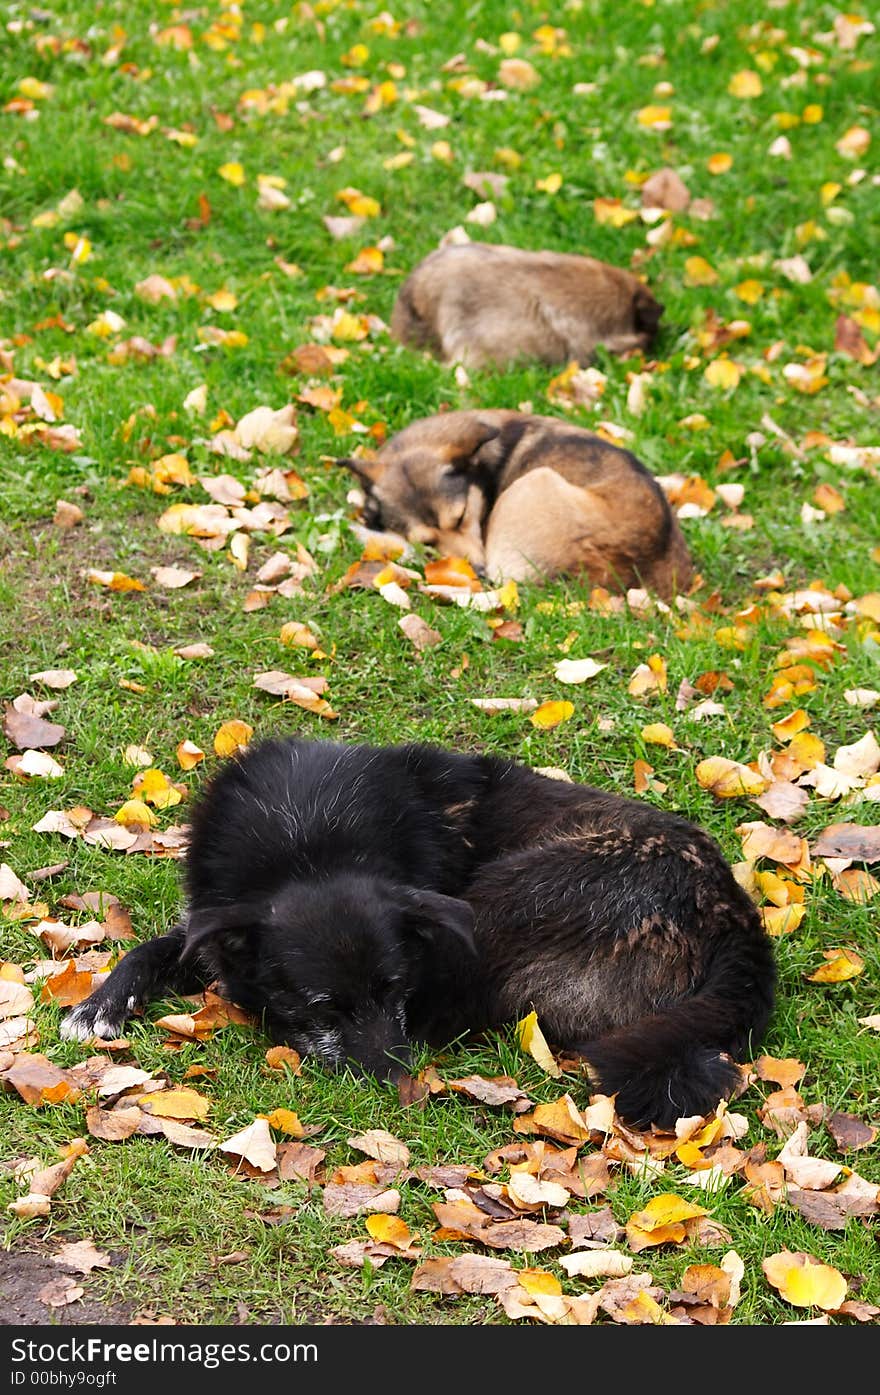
[(380, 1050)]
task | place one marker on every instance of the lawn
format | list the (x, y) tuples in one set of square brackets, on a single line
[(209, 148)]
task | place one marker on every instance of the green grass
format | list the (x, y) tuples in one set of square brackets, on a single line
[(168, 1215)]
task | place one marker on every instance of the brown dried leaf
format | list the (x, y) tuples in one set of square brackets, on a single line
[(382, 1146), (81, 1256), (39, 1082), (354, 1198)]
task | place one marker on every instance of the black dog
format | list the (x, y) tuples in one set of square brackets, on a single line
[(360, 899)]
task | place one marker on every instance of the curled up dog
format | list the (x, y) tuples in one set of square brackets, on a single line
[(526, 497), (482, 303), (360, 900)]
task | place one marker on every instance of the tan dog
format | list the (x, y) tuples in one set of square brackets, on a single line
[(526, 497), (478, 304)]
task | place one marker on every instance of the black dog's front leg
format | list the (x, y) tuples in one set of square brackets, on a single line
[(140, 976)]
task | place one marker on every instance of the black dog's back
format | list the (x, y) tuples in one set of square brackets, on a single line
[(295, 809)]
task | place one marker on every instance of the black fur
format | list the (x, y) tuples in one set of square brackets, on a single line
[(361, 899)]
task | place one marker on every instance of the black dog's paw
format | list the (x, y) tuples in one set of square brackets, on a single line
[(99, 1016)]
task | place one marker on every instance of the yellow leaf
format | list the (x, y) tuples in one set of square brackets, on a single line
[(115, 581), (232, 737), (808, 750), (641, 1311), (666, 1209), (698, 272), (36, 90), (347, 327), (841, 965), (789, 726), (367, 262), (361, 205), (649, 678), (233, 173), (550, 714), (389, 1230), (727, 779), (135, 812), (613, 213), (659, 734), (745, 83), (155, 788), (782, 920), (539, 1281), (356, 56), (286, 1121), (804, 1281), (177, 1104), (749, 291), (719, 163), (655, 118), (222, 300), (561, 1120), (551, 185), (531, 1039), (723, 373)]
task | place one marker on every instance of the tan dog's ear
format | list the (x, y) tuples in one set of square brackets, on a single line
[(474, 437), (368, 471)]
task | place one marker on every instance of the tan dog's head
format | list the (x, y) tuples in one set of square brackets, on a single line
[(431, 483)]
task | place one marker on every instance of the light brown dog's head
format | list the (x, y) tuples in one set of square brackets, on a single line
[(432, 482)]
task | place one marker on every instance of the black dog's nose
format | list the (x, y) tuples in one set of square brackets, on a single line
[(388, 1065)]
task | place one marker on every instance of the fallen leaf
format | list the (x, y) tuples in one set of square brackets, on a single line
[(531, 1039), (842, 964), (550, 714), (58, 1293), (181, 1103), (82, 1257), (347, 1199), (381, 1145), (253, 1145), (577, 670), (595, 1264), (728, 779), (39, 1082), (804, 1281), (232, 737)]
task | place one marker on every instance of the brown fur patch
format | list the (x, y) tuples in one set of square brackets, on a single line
[(526, 497), (482, 303)]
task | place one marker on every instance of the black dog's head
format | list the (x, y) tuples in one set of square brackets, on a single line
[(330, 965)]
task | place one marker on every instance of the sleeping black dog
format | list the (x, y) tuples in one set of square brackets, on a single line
[(360, 899)]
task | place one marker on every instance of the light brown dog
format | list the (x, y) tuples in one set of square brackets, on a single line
[(526, 497), (479, 303)]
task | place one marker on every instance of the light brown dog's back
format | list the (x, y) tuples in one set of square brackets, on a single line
[(480, 303)]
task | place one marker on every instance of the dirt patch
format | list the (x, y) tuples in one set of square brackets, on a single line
[(23, 1273)]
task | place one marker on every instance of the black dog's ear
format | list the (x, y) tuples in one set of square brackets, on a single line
[(436, 917), (367, 471), (231, 922)]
